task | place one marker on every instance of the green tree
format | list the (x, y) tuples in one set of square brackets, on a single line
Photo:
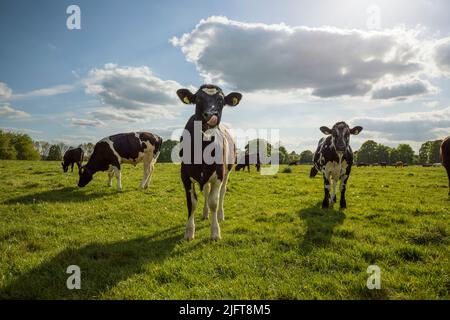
[(382, 153), (306, 157), (54, 153), (405, 153), (433, 154), (424, 151), (166, 150), (368, 152)]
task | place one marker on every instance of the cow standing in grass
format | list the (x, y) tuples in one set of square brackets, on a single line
[(109, 153), (204, 135), (445, 158), (334, 158), (71, 157)]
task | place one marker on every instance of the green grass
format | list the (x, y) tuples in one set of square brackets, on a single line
[(277, 243)]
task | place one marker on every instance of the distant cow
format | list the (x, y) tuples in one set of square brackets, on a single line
[(209, 172), (445, 158), (362, 164), (109, 153), (334, 158), (71, 157), (383, 164), (294, 163), (399, 164), (246, 161)]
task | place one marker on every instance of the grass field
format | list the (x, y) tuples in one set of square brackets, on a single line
[(277, 243)]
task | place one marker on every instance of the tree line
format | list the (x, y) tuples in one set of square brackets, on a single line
[(18, 146)]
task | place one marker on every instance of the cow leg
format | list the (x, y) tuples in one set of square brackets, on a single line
[(72, 167), (326, 183), (333, 196), (206, 190), (152, 168), (79, 166), (191, 201), (223, 190), (343, 188), (147, 173), (213, 201), (248, 168), (118, 175), (110, 176), (447, 168)]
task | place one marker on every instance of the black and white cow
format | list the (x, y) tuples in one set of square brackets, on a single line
[(247, 160), (71, 157), (334, 158), (109, 153), (196, 168), (445, 157)]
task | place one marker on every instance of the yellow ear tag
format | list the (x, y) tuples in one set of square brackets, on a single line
[(234, 101), (186, 100)]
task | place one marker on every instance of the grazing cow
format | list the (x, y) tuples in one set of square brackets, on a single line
[(362, 164), (427, 165), (445, 158), (109, 153), (399, 164), (210, 174), (294, 163), (246, 161), (334, 158), (383, 164), (71, 157)]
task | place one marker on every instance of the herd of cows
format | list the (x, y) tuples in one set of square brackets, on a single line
[(333, 157)]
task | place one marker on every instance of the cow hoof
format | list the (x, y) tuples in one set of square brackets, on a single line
[(215, 234), (343, 205), (325, 205), (215, 237), (189, 235)]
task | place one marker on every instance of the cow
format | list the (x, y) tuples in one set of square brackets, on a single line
[(210, 176), (399, 164), (362, 164), (110, 152), (383, 164), (247, 160), (71, 157), (334, 158), (445, 158)]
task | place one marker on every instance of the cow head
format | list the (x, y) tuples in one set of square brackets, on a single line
[(209, 101), (64, 166), (340, 135), (86, 176)]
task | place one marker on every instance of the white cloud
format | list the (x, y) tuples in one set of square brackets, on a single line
[(403, 90), (87, 122), (132, 88), (5, 91), (46, 92), (8, 112), (329, 61), (442, 55), (411, 126)]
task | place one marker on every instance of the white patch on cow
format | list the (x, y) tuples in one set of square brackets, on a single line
[(118, 175), (110, 176), (335, 171), (210, 91)]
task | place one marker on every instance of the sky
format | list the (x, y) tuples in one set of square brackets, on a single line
[(383, 65)]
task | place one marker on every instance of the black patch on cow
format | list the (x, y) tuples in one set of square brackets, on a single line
[(71, 157), (445, 157)]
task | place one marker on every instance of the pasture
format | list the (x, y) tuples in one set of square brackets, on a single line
[(277, 243)]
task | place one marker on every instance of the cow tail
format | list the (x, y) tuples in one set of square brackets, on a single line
[(158, 146)]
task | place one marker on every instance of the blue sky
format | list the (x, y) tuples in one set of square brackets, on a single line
[(299, 65)]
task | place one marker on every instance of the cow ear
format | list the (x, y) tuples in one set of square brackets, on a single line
[(356, 130), (233, 99), (325, 130), (186, 96)]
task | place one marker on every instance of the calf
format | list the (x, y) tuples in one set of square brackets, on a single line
[(334, 158), (71, 157), (445, 158), (109, 153), (211, 176), (247, 160)]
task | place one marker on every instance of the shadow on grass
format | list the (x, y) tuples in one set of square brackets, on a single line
[(67, 194), (102, 265), (320, 224)]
